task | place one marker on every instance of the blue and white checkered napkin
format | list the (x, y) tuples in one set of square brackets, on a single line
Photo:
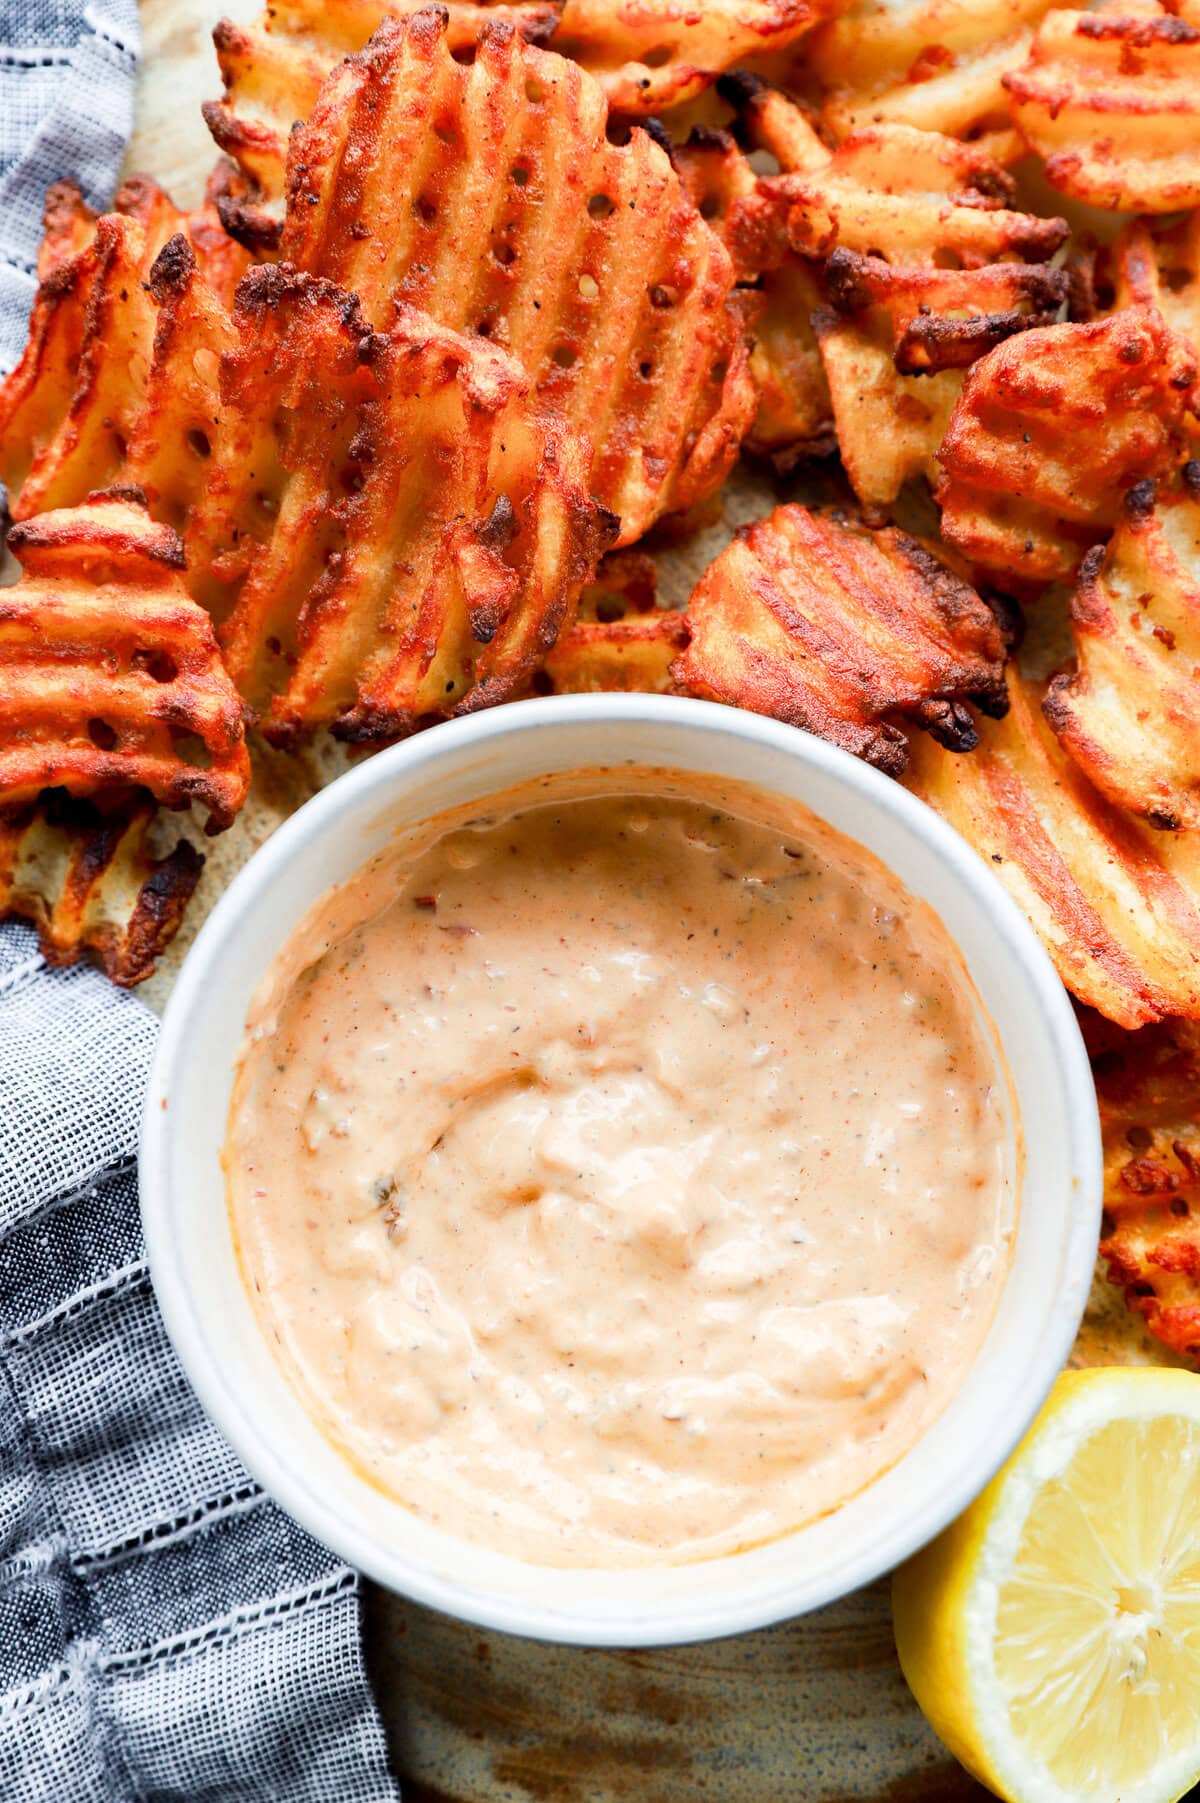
[(165, 1631)]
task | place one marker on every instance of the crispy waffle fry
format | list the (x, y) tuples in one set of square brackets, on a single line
[(794, 417), (653, 54), (620, 638), (945, 318), (87, 881), (490, 196), (273, 69), (1110, 100), (111, 675), (1158, 265), (835, 628), (1129, 713), (1149, 1095), (1116, 903), (903, 324), (915, 197), (70, 409), (935, 64), (391, 532), (1051, 430)]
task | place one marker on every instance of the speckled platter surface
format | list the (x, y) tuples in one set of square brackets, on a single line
[(814, 1711)]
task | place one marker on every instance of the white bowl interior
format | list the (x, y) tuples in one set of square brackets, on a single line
[(217, 1335)]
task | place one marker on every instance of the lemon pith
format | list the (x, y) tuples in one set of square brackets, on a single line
[(1052, 1634)]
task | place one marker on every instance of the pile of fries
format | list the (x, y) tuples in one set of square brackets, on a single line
[(485, 302)]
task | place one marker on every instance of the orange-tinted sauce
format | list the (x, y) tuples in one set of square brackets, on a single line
[(622, 1176)]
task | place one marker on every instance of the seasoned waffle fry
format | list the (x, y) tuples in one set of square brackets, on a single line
[(653, 54), (1129, 712), (583, 258), (794, 416), (391, 533), (1116, 903), (1149, 1095), (945, 318), (937, 298), (273, 69), (88, 883), (70, 409), (915, 197), (1051, 430), (111, 675), (1158, 265), (1110, 100), (620, 638), (829, 626), (935, 64)]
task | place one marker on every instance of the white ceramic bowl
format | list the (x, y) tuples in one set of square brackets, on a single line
[(224, 1352)]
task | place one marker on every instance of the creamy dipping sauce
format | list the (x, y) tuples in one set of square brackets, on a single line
[(622, 1168)]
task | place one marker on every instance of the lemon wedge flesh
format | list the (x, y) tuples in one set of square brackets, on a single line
[(1052, 1634)]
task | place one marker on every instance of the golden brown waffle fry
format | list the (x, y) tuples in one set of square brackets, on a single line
[(392, 532), (179, 420), (653, 54), (942, 290), (67, 410), (1116, 903), (87, 881), (490, 196), (935, 64), (1157, 264), (1110, 100), (1129, 713), (273, 69), (70, 409), (1149, 1095), (830, 626), (620, 638), (111, 678), (1051, 430), (945, 318), (794, 417)]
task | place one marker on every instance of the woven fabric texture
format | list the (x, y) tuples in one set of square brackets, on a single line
[(165, 1631), (66, 108)]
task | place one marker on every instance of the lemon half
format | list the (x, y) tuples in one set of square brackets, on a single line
[(1052, 1634)]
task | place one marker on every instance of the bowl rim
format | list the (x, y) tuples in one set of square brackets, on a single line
[(394, 769)]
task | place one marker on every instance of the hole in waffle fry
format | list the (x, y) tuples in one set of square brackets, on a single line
[(563, 355), (588, 287), (160, 666), (191, 749), (520, 176), (504, 254), (102, 735), (600, 206), (534, 91), (199, 442)]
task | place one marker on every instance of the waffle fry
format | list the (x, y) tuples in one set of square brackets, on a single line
[(620, 638), (829, 626), (1157, 264), (902, 326), (794, 417), (273, 69), (1149, 1095), (649, 55), (87, 881), (583, 258), (1128, 712), (70, 409), (1110, 100), (111, 675), (1116, 903), (934, 64), (1018, 497), (391, 532)]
